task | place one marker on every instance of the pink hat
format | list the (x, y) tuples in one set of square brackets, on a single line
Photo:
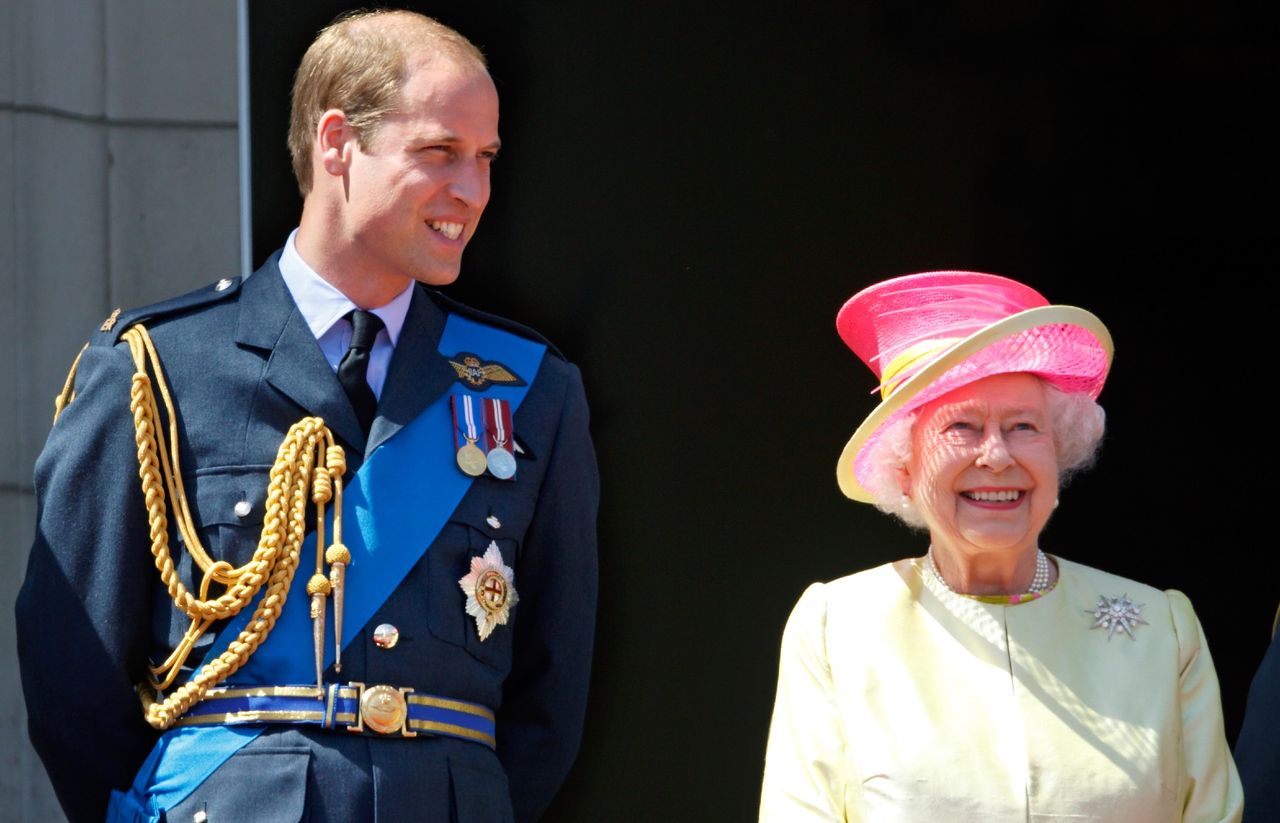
[(927, 334)]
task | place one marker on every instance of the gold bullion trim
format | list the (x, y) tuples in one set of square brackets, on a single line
[(247, 717), (265, 691), (449, 728), (455, 705)]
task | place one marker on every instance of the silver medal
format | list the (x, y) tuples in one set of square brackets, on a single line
[(502, 463)]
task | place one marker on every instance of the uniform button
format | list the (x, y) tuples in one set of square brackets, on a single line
[(493, 521), (386, 636), (243, 508)]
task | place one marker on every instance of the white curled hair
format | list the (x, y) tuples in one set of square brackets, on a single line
[(1078, 423)]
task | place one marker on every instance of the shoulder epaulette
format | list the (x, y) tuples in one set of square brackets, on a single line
[(108, 334), (449, 304)]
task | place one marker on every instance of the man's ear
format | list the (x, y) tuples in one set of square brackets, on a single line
[(335, 141)]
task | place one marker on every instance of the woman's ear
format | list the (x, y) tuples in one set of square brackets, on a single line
[(904, 481)]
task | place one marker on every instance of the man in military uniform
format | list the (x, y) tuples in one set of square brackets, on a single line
[(200, 439)]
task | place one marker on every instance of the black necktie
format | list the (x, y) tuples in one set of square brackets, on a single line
[(354, 369)]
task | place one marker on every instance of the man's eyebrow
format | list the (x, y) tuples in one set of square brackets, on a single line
[(437, 137), (450, 137)]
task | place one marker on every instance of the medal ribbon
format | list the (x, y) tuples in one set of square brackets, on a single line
[(500, 416), (471, 433)]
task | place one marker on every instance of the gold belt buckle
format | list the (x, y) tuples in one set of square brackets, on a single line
[(382, 709)]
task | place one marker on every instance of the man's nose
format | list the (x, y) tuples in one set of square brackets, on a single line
[(470, 185)]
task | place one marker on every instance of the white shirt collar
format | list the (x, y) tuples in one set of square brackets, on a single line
[(322, 304)]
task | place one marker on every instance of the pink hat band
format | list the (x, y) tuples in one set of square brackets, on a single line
[(928, 334)]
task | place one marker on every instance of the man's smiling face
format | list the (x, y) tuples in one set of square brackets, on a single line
[(416, 190)]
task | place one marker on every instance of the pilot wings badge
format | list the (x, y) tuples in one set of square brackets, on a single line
[(480, 374)]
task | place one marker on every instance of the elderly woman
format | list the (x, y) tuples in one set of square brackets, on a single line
[(987, 680)]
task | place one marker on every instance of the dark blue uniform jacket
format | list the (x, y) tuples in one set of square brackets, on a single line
[(1258, 747), (243, 367)]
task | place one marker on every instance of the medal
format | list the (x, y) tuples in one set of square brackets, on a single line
[(470, 458), (501, 462)]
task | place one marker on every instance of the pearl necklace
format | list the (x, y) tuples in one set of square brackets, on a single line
[(1039, 582)]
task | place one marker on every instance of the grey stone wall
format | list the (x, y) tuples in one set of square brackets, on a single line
[(118, 186)]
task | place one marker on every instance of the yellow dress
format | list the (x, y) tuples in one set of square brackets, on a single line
[(899, 700)]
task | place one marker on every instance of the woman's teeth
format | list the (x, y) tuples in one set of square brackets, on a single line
[(994, 497)]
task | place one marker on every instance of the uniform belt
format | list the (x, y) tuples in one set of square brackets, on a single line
[(378, 710)]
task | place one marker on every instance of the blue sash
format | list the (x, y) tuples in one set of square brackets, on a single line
[(393, 509)]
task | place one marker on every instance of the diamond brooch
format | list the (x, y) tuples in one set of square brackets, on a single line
[(1117, 614)]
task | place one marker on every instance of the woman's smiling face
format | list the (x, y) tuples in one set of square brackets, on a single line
[(984, 466)]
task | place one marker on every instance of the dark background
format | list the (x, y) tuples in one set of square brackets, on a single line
[(687, 195)]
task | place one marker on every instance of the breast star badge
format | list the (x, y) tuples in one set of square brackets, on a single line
[(490, 590), (479, 374), (1117, 614)]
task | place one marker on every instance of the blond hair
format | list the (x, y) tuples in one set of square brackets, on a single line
[(358, 64)]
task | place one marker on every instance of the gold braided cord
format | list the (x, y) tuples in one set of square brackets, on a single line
[(68, 392), (273, 563)]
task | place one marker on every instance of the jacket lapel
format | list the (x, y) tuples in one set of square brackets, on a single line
[(418, 373), (270, 321)]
